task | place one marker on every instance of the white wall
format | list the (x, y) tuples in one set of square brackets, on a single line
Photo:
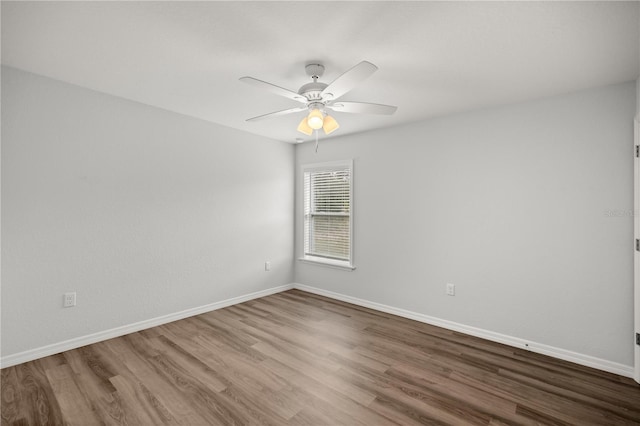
[(141, 211), (637, 232), (638, 96), (525, 208)]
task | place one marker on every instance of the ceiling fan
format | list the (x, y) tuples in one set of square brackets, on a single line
[(320, 98)]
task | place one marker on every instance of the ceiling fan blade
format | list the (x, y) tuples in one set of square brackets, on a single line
[(274, 89), (277, 113), (348, 80), (363, 108)]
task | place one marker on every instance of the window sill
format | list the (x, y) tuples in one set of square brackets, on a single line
[(336, 264)]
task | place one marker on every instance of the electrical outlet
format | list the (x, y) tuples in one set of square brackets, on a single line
[(267, 266), (451, 289), (69, 300)]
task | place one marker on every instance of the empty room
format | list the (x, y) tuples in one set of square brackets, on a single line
[(320, 213)]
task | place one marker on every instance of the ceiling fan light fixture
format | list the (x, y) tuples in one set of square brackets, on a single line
[(303, 127), (315, 119), (330, 125)]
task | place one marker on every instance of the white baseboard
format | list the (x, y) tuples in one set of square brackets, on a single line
[(586, 360), (77, 342), (577, 358)]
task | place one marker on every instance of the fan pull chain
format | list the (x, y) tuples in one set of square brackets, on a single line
[(316, 141)]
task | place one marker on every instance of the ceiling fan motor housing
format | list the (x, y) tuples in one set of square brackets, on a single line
[(312, 91)]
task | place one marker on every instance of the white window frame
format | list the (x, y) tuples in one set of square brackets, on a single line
[(334, 263)]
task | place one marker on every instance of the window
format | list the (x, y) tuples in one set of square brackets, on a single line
[(328, 213)]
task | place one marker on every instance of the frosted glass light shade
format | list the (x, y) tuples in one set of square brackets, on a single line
[(330, 124), (303, 127), (315, 119)]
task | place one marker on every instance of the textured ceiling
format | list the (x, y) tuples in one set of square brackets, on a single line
[(434, 58)]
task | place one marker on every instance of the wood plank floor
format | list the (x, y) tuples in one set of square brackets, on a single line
[(295, 358)]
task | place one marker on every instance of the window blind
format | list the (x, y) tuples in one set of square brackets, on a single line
[(327, 212)]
